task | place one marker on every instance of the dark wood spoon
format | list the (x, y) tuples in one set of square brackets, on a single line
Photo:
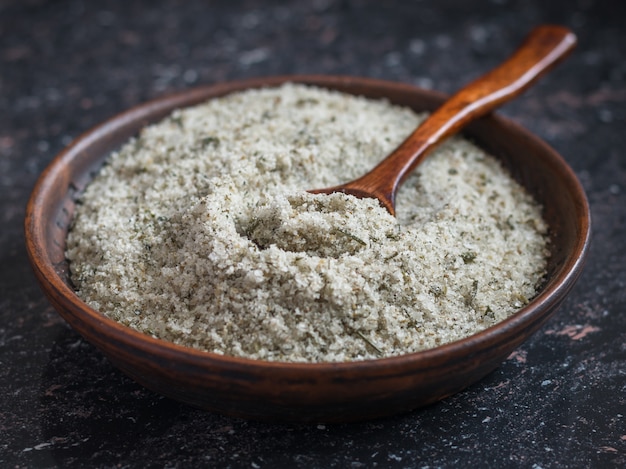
[(544, 47)]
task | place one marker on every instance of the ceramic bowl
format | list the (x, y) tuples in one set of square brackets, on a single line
[(319, 392)]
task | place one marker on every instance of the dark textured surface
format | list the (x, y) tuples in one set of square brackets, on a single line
[(558, 401)]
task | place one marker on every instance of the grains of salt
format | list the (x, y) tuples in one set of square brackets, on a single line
[(199, 231)]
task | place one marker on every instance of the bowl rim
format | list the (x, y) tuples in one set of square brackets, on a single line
[(529, 316)]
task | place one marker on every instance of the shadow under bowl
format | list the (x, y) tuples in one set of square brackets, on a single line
[(315, 392)]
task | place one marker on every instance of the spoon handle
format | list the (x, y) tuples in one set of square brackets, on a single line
[(544, 47)]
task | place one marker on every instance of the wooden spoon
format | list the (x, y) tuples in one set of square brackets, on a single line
[(544, 47)]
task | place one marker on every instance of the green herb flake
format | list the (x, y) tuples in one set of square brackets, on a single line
[(509, 223), (370, 343), (210, 142), (394, 255), (468, 257), (177, 120), (353, 237), (437, 291)]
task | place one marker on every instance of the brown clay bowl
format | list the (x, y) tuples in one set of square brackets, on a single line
[(307, 392)]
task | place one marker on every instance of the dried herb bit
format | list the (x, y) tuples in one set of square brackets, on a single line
[(210, 141), (509, 223), (394, 255), (468, 257), (470, 294), (438, 291), (303, 101), (521, 298), (139, 143), (483, 179), (412, 324), (370, 343), (351, 236), (453, 171), (249, 230), (177, 119), (394, 236), (506, 225), (489, 313)]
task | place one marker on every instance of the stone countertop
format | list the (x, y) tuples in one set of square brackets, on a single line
[(557, 401)]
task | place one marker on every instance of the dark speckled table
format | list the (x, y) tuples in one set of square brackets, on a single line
[(558, 401)]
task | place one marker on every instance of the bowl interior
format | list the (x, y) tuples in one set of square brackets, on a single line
[(311, 392)]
